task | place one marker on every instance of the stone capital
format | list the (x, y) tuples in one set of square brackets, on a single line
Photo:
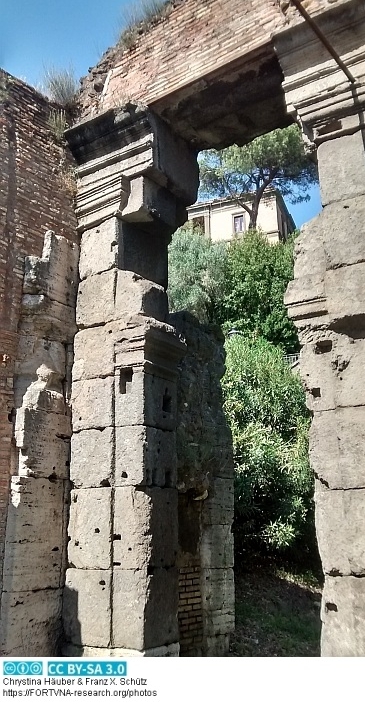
[(318, 93), (127, 161)]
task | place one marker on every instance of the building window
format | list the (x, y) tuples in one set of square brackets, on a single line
[(198, 223), (238, 224)]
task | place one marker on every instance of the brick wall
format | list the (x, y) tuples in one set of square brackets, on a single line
[(190, 610), (195, 38), (34, 197)]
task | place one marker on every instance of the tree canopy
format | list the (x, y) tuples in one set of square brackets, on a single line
[(279, 160), (239, 286)]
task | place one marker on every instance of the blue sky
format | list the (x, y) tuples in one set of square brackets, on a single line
[(39, 34)]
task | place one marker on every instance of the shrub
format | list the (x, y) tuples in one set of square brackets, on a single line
[(265, 407), (197, 269)]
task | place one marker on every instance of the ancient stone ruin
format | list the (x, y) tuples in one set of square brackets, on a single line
[(115, 519)]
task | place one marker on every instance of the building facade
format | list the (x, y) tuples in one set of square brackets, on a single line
[(225, 219)]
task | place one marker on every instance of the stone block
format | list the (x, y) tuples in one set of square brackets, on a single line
[(55, 273), (91, 457), (35, 352), (319, 379), (219, 622), (218, 507), (96, 299), (44, 442), (348, 177), (343, 617), (44, 312), (345, 292), (217, 645), (145, 456), (145, 608), (340, 524), (145, 253), (90, 528), (337, 447), (217, 589), (144, 400), (344, 216), (35, 534), (99, 248), (86, 607), (217, 547), (94, 353), (92, 404), (145, 527), (30, 625), (137, 295)]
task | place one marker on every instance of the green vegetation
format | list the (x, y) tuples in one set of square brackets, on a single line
[(197, 271), (277, 613), (139, 17), (278, 160), (239, 286), (57, 123), (61, 86), (265, 408)]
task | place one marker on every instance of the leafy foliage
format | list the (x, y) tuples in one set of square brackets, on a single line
[(239, 286), (196, 273), (265, 407), (278, 159), (257, 275)]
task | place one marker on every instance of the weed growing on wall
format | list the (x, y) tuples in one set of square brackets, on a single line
[(139, 17), (61, 86)]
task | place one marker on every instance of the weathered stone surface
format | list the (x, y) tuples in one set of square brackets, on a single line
[(145, 527), (94, 353), (137, 295), (90, 528), (99, 248), (143, 249), (46, 313), (348, 179), (329, 368), (145, 400), (34, 535), (340, 524), (145, 608), (217, 508), (91, 457), (92, 404), (86, 607), (55, 273), (217, 589), (30, 623), (337, 447), (145, 456), (343, 617), (344, 292), (217, 547), (43, 440), (95, 299)]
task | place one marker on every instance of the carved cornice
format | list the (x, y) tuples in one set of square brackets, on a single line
[(316, 89)]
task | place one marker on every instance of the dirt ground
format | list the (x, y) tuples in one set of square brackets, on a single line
[(277, 612)]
